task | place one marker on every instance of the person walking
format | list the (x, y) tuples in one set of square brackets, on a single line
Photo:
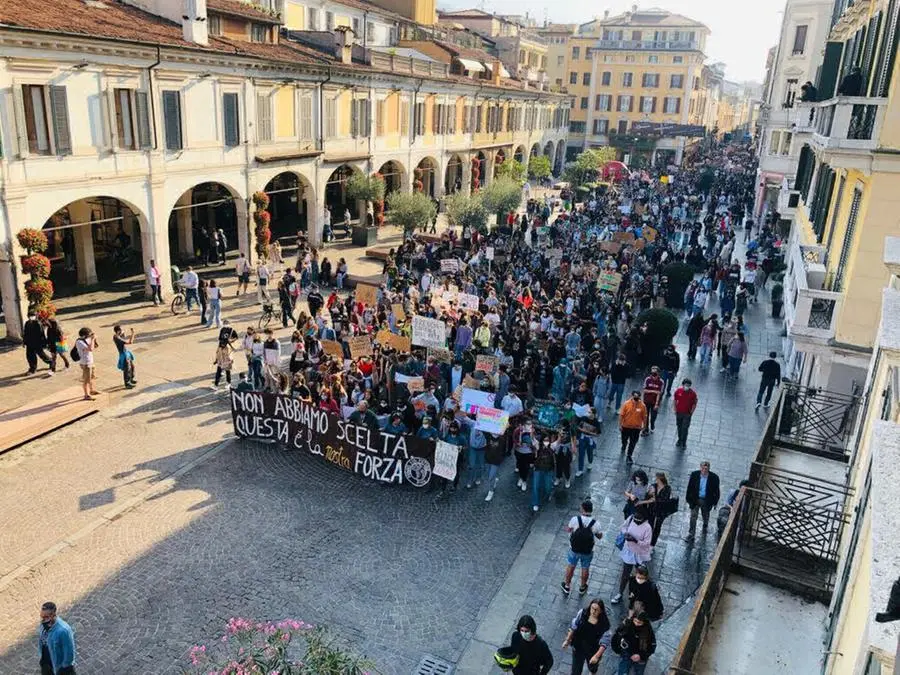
[(659, 502), (190, 282), (542, 480), (671, 362), (535, 657), (702, 496), (643, 595), (771, 378), (154, 278), (262, 282), (524, 454), (126, 357), (214, 298), (56, 342), (653, 388), (618, 375), (583, 529), (35, 340), (590, 636), (707, 341), (203, 298), (632, 417), (493, 457), (56, 643), (223, 362), (634, 641), (634, 536), (684, 403), (737, 354), (242, 269), (84, 348)]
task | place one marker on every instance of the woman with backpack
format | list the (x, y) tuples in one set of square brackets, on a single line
[(634, 641), (590, 637)]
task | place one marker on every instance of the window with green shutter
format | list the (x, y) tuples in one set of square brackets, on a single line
[(231, 121), (59, 114), (172, 119), (142, 113)]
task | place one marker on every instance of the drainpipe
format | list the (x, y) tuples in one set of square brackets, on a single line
[(152, 97), (322, 84), (415, 99), (365, 29)]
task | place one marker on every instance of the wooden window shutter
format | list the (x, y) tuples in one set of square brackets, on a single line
[(110, 119), (21, 125), (59, 113), (172, 117), (142, 113), (230, 113)]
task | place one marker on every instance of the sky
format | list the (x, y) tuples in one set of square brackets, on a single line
[(741, 33)]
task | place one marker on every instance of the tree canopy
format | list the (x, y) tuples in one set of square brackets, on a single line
[(539, 167), (587, 165), (410, 210), (502, 196), (367, 188), (512, 169), (467, 210)]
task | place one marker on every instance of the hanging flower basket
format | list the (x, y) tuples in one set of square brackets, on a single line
[(260, 200), (36, 265), (45, 311), (33, 241), (39, 291)]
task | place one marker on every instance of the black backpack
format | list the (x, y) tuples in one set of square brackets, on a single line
[(75, 355), (582, 539)]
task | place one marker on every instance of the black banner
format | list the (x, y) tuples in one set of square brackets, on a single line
[(667, 130), (387, 458)]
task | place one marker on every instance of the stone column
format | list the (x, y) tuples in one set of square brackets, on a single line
[(184, 225), (12, 281), (80, 212), (246, 232), (155, 237)]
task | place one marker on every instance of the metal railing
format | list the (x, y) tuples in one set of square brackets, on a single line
[(816, 421), (821, 313), (680, 45), (849, 121)]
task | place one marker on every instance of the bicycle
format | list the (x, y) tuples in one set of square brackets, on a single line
[(178, 302), (268, 316)]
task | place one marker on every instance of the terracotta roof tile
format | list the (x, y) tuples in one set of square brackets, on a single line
[(238, 8)]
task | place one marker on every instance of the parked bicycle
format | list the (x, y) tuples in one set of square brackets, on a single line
[(178, 300), (268, 316)]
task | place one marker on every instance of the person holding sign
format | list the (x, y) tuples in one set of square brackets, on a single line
[(455, 437)]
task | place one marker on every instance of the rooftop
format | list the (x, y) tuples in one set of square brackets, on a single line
[(242, 9), (653, 17)]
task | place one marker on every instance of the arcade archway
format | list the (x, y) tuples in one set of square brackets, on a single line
[(337, 201), (454, 177), (535, 150), (425, 177), (519, 154), (290, 202), (394, 176), (203, 224), (499, 158)]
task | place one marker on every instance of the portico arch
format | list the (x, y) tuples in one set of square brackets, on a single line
[(205, 217), (519, 155), (425, 176), (394, 175), (453, 181), (291, 203)]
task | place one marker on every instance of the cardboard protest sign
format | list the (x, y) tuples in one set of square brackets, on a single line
[(554, 254), (489, 252), (388, 458), (445, 456), (367, 294), (609, 281), (449, 265), (428, 332), (650, 233), (611, 247), (624, 237), (399, 314), (332, 348), (449, 296), (474, 399), (468, 302), (388, 339), (360, 346), (441, 355), (415, 384), (486, 363), (639, 244), (492, 420), (469, 381)]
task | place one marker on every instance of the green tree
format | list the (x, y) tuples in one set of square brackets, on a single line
[(512, 169), (410, 210), (467, 210), (367, 188), (587, 165), (502, 196), (539, 167)]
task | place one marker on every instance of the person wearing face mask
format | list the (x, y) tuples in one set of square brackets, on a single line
[(590, 637), (684, 403), (632, 416), (634, 641), (542, 480), (643, 595), (56, 643), (426, 431), (635, 536), (618, 375), (535, 657)]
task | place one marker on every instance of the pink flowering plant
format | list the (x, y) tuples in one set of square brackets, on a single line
[(288, 647)]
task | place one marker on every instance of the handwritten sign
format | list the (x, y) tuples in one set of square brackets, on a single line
[(449, 296), (332, 348), (489, 253), (611, 247), (391, 340), (609, 281), (487, 363), (449, 266), (428, 332), (624, 237), (366, 294), (360, 346), (492, 420), (399, 314), (468, 302), (415, 384), (445, 456), (440, 355)]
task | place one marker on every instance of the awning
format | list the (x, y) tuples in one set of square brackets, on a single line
[(472, 66), (504, 72)]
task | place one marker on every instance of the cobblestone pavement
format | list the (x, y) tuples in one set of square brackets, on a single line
[(257, 531)]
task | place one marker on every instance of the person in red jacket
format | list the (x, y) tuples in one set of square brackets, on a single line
[(685, 402)]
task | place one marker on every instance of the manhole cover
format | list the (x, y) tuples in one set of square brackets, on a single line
[(431, 665)]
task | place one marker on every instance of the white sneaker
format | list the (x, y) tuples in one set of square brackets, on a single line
[(579, 474), (50, 373), (567, 485), (477, 482), (535, 508), (616, 599), (490, 496), (555, 482), (519, 483), (524, 486), (590, 466)]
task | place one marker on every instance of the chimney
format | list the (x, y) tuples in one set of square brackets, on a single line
[(194, 24), (495, 73), (605, 13), (344, 44), (634, 9)]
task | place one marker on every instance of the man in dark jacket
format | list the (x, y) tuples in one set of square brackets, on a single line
[(702, 495), (35, 339), (771, 378), (671, 362)]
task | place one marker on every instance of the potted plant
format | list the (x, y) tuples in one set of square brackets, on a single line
[(776, 295), (38, 287), (502, 196), (368, 189)]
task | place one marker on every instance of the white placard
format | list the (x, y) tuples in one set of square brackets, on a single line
[(489, 252), (474, 399), (450, 265), (445, 455), (468, 302), (428, 332)]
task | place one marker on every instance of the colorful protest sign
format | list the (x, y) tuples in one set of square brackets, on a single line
[(650, 233), (468, 302), (387, 339), (332, 348), (399, 314), (445, 456), (360, 346), (441, 355), (609, 281), (415, 384), (486, 363), (474, 399), (367, 294), (428, 332), (492, 420), (388, 458)]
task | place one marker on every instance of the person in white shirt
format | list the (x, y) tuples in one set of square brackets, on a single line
[(154, 277), (190, 281), (262, 282), (242, 269), (85, 346), (214, 297), (512, 404)]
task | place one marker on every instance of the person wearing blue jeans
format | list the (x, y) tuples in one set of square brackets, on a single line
[(586, 446), (615, 392), (493, 456), (477, 445), (542, 481), (214, 297)]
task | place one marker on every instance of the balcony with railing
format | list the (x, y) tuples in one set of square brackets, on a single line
[(810, 312), (803, 117), (666, 45), (848, 123), (814, 314)]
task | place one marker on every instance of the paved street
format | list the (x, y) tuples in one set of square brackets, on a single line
[(150, 528)]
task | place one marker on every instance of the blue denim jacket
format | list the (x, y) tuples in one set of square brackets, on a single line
[(60, 643)]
